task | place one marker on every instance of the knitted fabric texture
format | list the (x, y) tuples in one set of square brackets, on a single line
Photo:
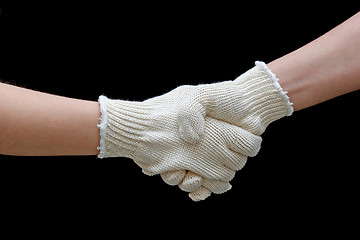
[(196, 137)]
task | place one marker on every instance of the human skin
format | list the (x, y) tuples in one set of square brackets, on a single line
[(324, 68), (39, 124)]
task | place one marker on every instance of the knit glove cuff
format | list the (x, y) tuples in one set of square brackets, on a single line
[(266, 101), (121, 126)]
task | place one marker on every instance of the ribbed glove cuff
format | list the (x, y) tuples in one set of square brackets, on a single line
[(121, 126), (267, 101)]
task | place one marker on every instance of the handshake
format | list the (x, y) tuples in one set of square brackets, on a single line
[(195, 137)]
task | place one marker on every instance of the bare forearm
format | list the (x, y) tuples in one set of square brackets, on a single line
[(39, 124), (323, 69)]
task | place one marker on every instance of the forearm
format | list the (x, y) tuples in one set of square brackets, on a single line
[(323, 69), (39, 124)]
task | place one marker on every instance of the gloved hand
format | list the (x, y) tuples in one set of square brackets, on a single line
[(195, 136), (148, 133), (251, 102)]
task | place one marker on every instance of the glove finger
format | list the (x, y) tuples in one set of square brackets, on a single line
[(242, 141), (173, 177), (191, 182), (235, 160), (216, 186), (200, 194)]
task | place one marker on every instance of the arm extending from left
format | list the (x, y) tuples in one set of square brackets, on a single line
[(33, 123)]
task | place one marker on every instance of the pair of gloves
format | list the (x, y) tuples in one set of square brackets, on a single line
[(195, 137)]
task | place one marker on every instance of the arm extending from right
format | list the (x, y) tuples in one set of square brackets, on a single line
[(323, 69)]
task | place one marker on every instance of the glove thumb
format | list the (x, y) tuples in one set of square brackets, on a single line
[(191, 119)]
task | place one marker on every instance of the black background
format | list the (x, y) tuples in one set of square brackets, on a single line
[(305, 175)]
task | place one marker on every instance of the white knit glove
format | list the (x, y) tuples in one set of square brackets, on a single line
[(195, 136)]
